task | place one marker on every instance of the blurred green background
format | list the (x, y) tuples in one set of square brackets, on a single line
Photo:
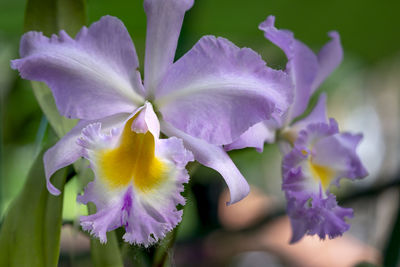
[(364, 94)]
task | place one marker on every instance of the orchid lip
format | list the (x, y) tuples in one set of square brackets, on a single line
[(132, 160), (138, 178)]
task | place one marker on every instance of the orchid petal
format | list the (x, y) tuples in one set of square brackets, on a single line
[(164, 22), (307, 70), (302, 64), (62, 154), (91, 76), (146, 121), (311, 214), (216, 91), (255, 136), (317, 115), (329, 58), (67, 151), (339, 153), (213, 157)]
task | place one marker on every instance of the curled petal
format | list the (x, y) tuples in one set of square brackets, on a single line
[(216, 91), (91, 76), (213, 157), (62, 154), (164, 22), (67, 151)]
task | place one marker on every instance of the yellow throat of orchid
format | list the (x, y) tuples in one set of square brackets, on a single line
[(133, 160), (320, 173)]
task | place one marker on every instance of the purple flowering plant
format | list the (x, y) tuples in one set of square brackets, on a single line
[(197, 101), (316, 154), (139, 135)]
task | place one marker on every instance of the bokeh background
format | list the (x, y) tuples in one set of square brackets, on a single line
[(363, 95)]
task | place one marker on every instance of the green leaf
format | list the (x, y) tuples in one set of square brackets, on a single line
[(108, 254), (50, 16), (61, 125), (30, 234), (165, 250)]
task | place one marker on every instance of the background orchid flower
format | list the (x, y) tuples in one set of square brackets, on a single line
[(316, 154), (320, 158), (206, 99)]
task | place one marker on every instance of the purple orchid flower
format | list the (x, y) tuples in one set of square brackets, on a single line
[(321, 156), (206, 99), (316, 154)]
